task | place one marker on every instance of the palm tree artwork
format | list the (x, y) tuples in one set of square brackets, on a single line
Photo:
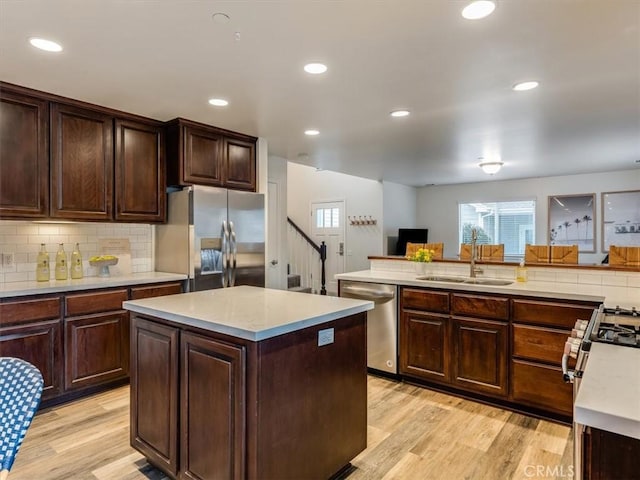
[(577, 221), (586, 219), (566, 224)]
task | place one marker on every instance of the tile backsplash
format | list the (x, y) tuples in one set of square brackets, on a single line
[(23, 239)]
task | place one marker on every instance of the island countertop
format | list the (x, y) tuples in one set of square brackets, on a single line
[(251, 313)]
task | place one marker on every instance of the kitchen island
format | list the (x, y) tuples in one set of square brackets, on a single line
[(247, 382)]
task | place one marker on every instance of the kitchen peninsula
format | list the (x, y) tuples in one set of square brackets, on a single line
[(247, 382)]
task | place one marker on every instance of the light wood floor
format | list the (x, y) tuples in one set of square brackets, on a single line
[(413, 433)]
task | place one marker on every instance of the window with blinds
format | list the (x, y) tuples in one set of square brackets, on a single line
[(511, 223)]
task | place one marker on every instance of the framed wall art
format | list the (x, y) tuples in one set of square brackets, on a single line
[(620, 219), (572, 221)]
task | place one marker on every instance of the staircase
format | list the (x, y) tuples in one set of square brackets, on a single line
[(306, 263), (293, 284)]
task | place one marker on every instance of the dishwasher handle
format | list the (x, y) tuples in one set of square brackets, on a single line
[(361, 293)]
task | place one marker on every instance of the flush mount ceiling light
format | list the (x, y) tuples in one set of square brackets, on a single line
[(523, 86), (218, 102), (491, 168), (478, 9), (46, 45), (400, 113), (220, 17), (315, 68), (311, 132)]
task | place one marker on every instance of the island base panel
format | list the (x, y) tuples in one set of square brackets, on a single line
[(312, 401)]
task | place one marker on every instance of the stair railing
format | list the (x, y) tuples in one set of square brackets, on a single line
[(302, 260)]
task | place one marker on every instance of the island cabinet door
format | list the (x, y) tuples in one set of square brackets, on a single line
[(212, 403), (154, 393)]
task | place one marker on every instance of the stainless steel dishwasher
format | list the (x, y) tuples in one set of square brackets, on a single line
[(382, 324)]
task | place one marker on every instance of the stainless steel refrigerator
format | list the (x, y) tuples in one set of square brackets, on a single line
[(214, 236)]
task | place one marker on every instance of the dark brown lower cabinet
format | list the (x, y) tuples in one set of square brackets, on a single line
[(480, 355), (154, 393), (78, 340), (30, 329), (208, 406), (541, 386), (210, 387), (39, 344), (212, 415), (425, 341), (97, 349), (610, 456), (466, 353)]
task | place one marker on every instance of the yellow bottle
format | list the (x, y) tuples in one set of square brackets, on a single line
[(62, 271), (76, 263), (42, 264), (521, 272)]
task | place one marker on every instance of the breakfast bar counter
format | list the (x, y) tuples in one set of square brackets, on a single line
[(246, 382)]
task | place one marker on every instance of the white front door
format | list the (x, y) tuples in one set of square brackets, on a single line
[(327, 225)]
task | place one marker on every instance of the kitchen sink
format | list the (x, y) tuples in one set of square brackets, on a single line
[(476, 281), (435, 278), (488, 281)]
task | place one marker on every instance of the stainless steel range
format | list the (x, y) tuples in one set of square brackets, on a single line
[(618, 326), (615, 326)]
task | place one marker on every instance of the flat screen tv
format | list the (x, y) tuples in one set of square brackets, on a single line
[(411, 235)]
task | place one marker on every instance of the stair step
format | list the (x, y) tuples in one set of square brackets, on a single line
[(300, 289), (293, 280)]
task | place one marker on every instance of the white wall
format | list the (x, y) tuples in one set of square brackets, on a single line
[(437, 207), (399, 209), (362, 197)]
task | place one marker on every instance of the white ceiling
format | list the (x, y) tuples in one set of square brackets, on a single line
[(166, 58)]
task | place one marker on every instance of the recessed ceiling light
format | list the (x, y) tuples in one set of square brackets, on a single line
[(47, 45), (315, 68), (312, 132), (491, 168), (522, 86), (400, 113), (218, 102), (478, 9)]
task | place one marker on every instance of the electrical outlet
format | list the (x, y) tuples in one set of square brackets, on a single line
[(325, 337), (8, 260)]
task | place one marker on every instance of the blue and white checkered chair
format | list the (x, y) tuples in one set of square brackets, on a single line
[(20, 391)]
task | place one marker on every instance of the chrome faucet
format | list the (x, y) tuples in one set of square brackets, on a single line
[(474, 254)]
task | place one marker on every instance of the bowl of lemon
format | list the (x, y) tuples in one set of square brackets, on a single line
[(103, 262)]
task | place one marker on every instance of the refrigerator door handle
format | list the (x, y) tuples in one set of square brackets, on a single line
[(234, 253), (225, 254)]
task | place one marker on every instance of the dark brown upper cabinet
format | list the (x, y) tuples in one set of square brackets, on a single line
[(139, 172), (199, 154), (81, 163), (24, 155), (240, 163)]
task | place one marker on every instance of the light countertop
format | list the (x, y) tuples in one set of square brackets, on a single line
[(609, 394), (625, 297), (252, 313), (19, 289)]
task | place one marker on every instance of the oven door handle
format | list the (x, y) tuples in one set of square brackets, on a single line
[(567, 375)]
